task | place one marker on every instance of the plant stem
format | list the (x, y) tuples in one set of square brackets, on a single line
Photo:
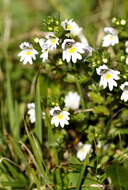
[(83, 167), (80, 92)]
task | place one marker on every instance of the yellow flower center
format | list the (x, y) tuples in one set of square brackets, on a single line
[(53, 41), (82, 150), (69, 27), (108, 76), (28, 52), (111, 37), (60, 116), (72, 50)]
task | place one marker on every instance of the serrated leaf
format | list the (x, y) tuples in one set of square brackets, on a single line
[(96, 97), (69, 78), (101, 109)]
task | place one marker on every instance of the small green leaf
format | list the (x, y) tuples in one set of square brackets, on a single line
[(96, 97), (101, 109)]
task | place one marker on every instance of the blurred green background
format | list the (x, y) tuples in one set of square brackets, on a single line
[(27, 15)]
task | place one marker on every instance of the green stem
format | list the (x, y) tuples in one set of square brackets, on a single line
[(80, 92), (38, 124), (83, 167)]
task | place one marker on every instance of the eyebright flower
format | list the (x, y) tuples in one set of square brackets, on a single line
[(83, 39), (83, 150), (59, 117), (126, 61), (72, 50), (47, 44), (52, 41), (108, 77), (44, 48), (71, 26), (31, 112), (124, 88), (111, 38), (105, 60), (123, 22), (54, 110), (126, 45), (72, 100), (28, 53)]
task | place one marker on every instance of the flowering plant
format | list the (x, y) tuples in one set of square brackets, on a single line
[(90, 114), (76, 117)]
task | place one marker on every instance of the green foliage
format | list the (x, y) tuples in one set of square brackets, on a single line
[(119, 175)]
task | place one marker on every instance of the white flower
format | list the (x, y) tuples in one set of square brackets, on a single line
[(123, 22), (83, 39), (24, 45), (31, 112), (74, 30), (54, 110), (52, 41), (126, 45), (48, 44), (43, 115), (105, 60), (88, 50), (59, 117), (44, 49), (111, 38), (72, 100), (72, 50), (44, 55), (126, 61), (108, 77), (110, 30), (83, 150), (28, 53), (72, 27), (99, 144), (124, 88)]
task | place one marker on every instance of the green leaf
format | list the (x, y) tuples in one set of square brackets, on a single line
[(69, 78), (38, 127), (73, 178), (96, 97), (118, 175), (91, 184), (74, 160), (101, 110)]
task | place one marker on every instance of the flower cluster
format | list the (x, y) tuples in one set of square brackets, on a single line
[(86, 86), (72, 49), (61, 117), (109, 77)]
